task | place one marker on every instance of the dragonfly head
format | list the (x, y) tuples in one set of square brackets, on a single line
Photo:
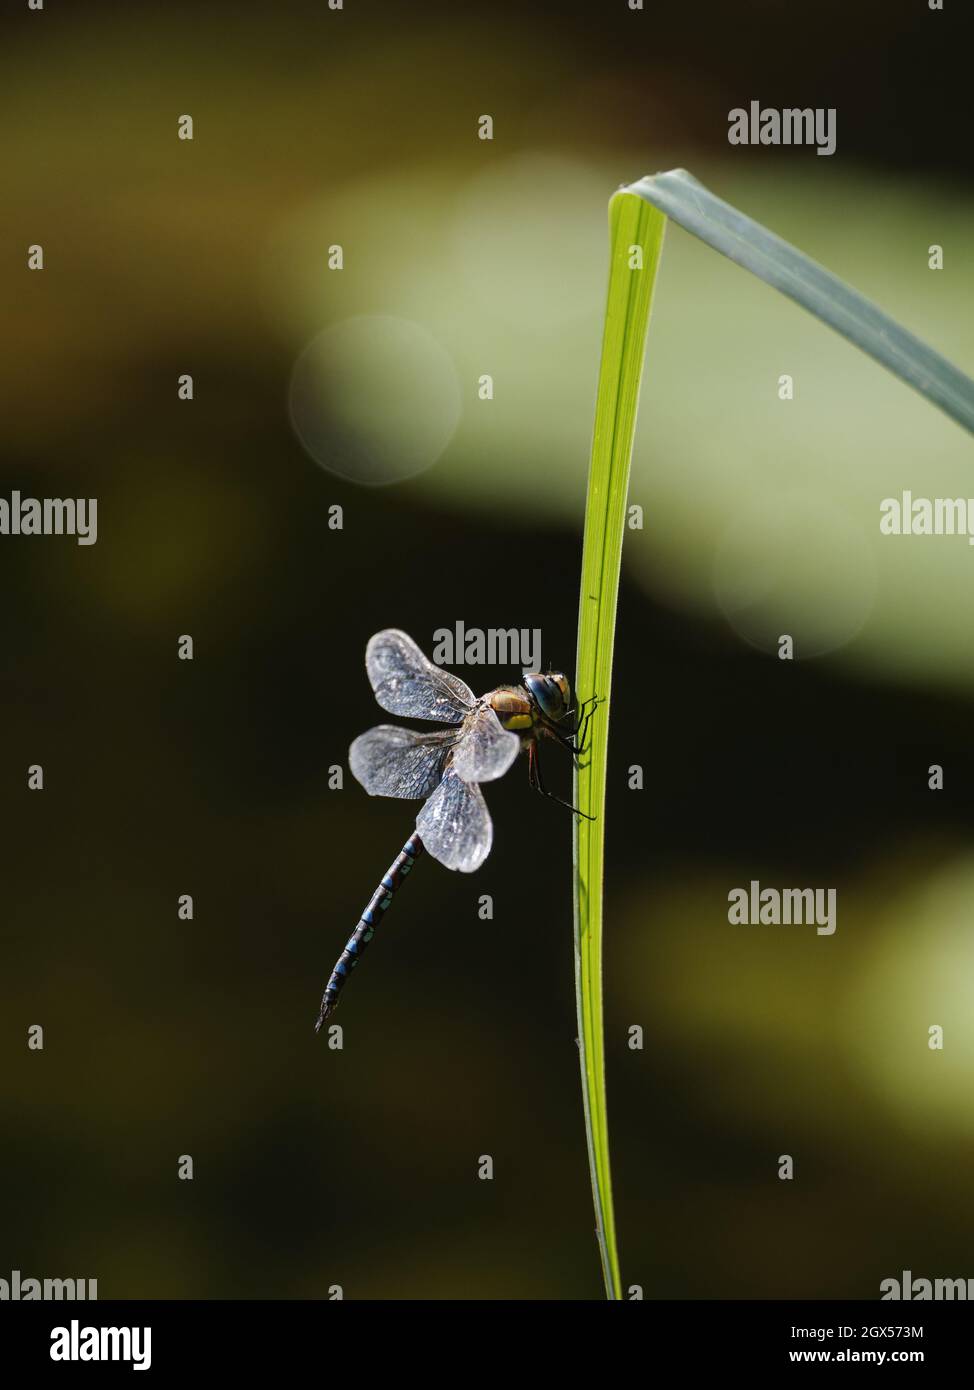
[(551, 692)]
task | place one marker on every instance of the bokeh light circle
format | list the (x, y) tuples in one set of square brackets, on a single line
[(375, 399), (790, 563)]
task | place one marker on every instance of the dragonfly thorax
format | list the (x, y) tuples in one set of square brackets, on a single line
[(543, 699), (514, 707)]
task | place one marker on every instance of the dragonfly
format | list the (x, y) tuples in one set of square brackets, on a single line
[(445, 768)]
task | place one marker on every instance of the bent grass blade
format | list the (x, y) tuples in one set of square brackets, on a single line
[(682, 198), (632, 223), (637, 217)]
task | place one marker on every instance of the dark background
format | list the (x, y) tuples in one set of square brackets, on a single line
[(316, 1167)]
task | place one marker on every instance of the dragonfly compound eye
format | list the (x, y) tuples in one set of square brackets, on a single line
[(551, 691)]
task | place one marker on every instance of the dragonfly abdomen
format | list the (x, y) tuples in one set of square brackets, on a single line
[(367, 923)]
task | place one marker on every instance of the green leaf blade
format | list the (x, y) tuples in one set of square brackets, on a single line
[(779, 264), (632, 222)]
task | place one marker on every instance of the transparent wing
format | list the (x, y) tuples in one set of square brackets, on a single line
[(390, 761), (455, 824), (406, 683), (486, 749)]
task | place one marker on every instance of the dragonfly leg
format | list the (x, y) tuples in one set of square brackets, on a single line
[(568, 742), (586, 710), (533, 766), (577, 741), (537, 781)]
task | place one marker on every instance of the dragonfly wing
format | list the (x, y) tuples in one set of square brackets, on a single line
[(390, 761), (455, 824), (486, 749), (405, 683)]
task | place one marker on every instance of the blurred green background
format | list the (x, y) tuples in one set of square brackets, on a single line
[(316, 1167)]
